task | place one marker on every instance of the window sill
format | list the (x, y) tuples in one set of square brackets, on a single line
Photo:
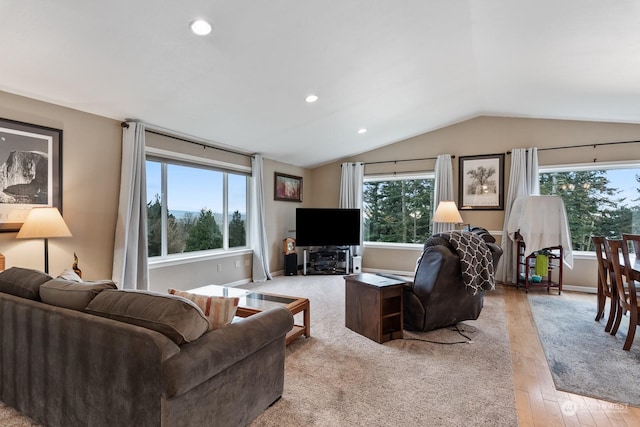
[(395, 246), (181, 259)]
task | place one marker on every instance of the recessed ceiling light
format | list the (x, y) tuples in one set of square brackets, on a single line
[(363, 130), (200, 27), (311, 98)]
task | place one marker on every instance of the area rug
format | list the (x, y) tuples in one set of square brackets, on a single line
[(583, 358), (340, 378)]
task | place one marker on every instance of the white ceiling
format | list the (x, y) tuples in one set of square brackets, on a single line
[(396, 67)]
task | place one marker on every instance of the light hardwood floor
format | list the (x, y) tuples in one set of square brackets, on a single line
[(538, 401)]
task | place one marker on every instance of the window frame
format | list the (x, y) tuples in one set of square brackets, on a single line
[(572, 167), (395, 177), (166, 157)]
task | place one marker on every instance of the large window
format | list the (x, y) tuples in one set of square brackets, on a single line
[(600, 199), (193, 208), (398, 209)]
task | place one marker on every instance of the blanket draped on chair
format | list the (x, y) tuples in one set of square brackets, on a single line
[(475, 260)]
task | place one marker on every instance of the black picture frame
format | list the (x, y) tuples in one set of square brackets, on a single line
[(287, 188), (481, 182), (34, 153)]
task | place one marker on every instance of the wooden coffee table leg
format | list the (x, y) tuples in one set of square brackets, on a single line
[(307, 320)]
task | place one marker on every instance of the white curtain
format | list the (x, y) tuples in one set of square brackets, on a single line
[(130, 268), (523, 181), (351, 188), (259, 243), (443, 189)]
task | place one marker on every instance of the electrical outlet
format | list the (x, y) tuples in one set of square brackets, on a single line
[(219, 268), (237, 263), (246, 263)]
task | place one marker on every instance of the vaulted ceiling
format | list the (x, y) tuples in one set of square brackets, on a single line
[(397, 68)]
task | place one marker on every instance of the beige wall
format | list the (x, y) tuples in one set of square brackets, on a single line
[(280, 217), (91, 153), (90, 185), (487, 135)]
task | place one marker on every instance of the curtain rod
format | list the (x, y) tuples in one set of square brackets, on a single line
[(402, 160), (201, 144), (585, 145)]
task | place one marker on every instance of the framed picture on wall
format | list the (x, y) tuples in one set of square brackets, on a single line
[(287, 188), (481, 182), (30, 171)]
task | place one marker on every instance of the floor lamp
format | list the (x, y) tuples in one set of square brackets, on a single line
[(44, 223)]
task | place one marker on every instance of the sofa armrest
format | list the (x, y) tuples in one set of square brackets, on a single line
[(216, 350)]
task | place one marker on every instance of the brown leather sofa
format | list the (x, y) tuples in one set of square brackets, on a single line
[(438, 296)]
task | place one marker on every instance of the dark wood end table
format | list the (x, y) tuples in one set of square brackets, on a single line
[(373, 306)]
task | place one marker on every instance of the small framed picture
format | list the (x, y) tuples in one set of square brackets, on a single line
[(30, 156), (287, 188), (481, 182)]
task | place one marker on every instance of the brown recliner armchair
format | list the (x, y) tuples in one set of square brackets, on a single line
[(445, 290)]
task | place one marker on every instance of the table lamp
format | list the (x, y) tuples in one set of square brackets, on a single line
[(447, 212), (44, 223)]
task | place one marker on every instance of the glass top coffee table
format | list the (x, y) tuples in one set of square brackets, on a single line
[(251, 302)]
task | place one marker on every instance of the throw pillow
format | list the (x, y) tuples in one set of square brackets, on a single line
[(69, 274), (23, 282), (177, 318), (72, 294), (219, 311)]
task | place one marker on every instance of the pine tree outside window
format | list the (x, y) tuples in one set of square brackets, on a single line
[(398, 209), (601, 199), (193, 208)]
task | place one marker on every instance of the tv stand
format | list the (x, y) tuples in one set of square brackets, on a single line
[(326, 261)]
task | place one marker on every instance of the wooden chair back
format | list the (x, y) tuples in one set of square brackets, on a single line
[(606, 284), (634, 240), (618, 253), (604, 266)]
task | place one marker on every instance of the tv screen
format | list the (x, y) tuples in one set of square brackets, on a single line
[(327, 227)]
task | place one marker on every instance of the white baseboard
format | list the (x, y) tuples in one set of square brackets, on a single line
[(394, 272), (572, 288), (237, 283)]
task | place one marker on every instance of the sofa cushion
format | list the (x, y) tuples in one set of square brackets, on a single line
[(218, 310), (23, 282), (176, 317), (72, 294)]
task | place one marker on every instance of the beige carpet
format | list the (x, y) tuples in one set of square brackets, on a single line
[(340, 378)]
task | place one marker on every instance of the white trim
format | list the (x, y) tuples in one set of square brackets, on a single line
[(388, 245), (408, 274), (191, 257), (413, 246), (196, 160), (399, 176), (570, 167), (237, 283), (584, 289)]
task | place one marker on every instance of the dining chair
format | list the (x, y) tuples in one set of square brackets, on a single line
[(625, 287), (606, 283), (634, 239)]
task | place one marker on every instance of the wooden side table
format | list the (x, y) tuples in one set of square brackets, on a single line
[(373, 306)]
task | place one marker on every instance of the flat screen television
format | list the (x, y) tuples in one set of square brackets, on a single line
[(327, 227)]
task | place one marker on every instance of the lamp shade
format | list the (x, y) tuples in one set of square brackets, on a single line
[(447, 212), (43, 223)]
